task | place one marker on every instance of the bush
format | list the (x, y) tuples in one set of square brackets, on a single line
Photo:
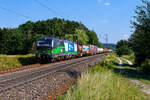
[(122, 48), (146, 65), (14, 61)]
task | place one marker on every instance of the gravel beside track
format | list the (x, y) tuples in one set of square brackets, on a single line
[(39, 83)]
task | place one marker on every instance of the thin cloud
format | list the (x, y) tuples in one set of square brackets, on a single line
[(107, 4), (125, 37), (104, 21), (99, 1)]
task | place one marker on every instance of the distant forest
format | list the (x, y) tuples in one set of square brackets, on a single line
[(109, 45), (22, 40)]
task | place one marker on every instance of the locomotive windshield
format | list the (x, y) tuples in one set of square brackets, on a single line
[(44, 42)]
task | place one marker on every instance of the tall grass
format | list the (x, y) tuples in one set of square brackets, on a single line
[(102, 83), (13, 61)]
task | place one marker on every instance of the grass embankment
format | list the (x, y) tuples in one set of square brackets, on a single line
[(13, 61), (103, 82)]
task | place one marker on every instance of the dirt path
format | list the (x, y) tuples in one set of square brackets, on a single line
[(143, 87), (120, 61), (129, 62)]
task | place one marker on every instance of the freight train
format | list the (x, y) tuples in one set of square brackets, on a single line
[(50, 49)]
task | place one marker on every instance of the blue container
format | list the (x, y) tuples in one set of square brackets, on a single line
[(71, 47)]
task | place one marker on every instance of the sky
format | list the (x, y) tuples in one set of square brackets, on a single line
[(110, 17)]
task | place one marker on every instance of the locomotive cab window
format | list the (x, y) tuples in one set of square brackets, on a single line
[(61, 43), (56, 44), (44, 42)]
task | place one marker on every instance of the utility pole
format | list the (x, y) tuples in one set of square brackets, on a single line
[(100, 38), (106, 40)]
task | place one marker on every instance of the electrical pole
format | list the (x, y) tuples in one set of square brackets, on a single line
[(106, 40)]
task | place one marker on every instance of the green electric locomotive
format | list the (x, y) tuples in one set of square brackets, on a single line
[(51, 49)]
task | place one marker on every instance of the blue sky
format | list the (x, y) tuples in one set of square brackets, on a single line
[(110, 17)]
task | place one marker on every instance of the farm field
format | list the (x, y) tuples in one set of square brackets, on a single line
[(107, 82), (13, 61)]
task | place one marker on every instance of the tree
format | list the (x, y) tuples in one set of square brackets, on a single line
[(23, 39), (1, 41), (122, 48), (100, 45), (140, 39), (15, 44), (81, 36), (27, 32), (93, 39), (5, 40)]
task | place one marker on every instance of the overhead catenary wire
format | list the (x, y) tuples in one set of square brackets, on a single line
[(14, 12), (48, 8)]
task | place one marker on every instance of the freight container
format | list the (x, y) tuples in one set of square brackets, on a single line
[(105, 50), (86, 50), (80, 50), (93, 49), (100, 50), (110, 50), (70, 47)]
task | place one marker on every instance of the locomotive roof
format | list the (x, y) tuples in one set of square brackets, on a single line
[(45, 38), (49, 38)]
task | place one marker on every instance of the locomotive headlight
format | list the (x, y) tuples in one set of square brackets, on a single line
[(43, 51)]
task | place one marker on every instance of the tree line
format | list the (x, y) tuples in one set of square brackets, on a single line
[(139, 41), (22, 40)]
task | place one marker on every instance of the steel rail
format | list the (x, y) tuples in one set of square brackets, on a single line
[(35, 75)]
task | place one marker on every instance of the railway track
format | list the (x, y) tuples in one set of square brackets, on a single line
[(32, 66), (11, 81)]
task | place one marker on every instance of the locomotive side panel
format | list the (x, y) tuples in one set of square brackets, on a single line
[(58, 48)]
